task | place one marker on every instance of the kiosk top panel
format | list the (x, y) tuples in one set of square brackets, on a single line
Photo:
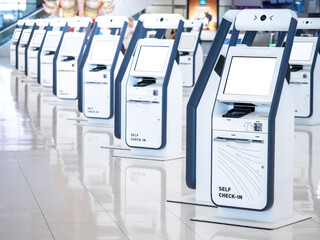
[(30, 22), (21, 22), (58, 22), (42, 22), (303, 50), (308, 23), (161, 21), (250, 75), (79, 21), (111, 21), (192, 23), (151, 58), (264, 19)]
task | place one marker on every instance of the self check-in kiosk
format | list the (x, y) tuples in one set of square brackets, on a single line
[(31, 69), (67, 57), (14, 42), (251, 125), (191, 53), (99, 67), (47, 50), (23, 43), (305, 72), (150, 90)]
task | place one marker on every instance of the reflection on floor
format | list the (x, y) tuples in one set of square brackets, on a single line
[(57, 183)]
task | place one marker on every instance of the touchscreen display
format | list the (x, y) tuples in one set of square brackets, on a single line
[(250, 76), (152, 59)]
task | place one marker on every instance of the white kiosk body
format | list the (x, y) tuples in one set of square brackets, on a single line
[(25, 36), (34, 47), (191, 53), (101, 68), (15, 38), (151, 93), (50, 43), (253, 126), (71, 49), (305, 73)]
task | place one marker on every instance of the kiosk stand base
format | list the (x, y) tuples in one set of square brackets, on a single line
[(129, 154), (191, 200), (296, 218)]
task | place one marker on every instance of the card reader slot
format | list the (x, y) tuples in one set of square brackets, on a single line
[(237, 140), (298, 83), (98, 68), (146, 81), (96, 82), (68, 58), (49, 53), (239, 111), (142, 101)]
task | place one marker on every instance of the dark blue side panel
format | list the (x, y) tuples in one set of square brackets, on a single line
[(281, 38), (113, 67), (82, 61), (195, 99), (18, 42), (119, 78), (161, 33), (249, 38), (166, 83), (56, 54), (49, 28), (34, 27)]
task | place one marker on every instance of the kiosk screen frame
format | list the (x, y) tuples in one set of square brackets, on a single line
[(302, 51), (71, 45), (16, 35), (187, 42), (149, 58), (244, 72), (25, 37), (252, 56), (103, 51), (51, 41), (38, 36)]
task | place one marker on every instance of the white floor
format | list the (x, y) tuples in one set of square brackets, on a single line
[(57, 183)]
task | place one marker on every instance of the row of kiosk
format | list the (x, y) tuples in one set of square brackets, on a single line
[(239, 118)]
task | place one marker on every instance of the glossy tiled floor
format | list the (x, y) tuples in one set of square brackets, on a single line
[(57, 183)]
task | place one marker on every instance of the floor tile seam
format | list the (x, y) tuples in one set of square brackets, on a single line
[(182, 220), (163, 204), (34, 197), (89, 191)]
